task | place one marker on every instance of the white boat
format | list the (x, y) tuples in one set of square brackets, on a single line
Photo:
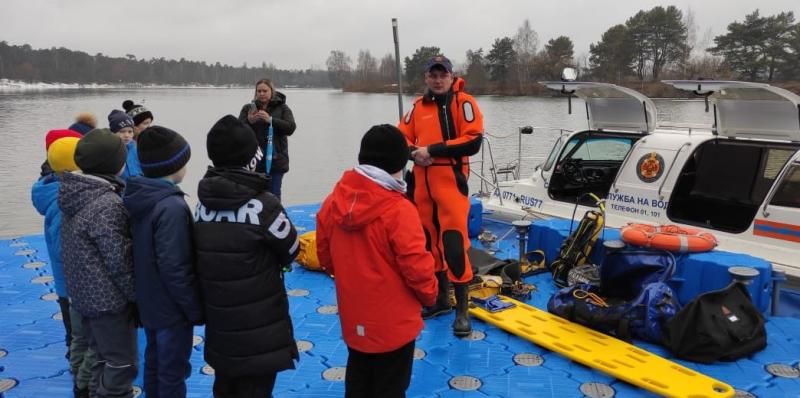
[(738, 178)]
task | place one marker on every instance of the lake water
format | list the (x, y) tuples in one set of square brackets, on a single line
[(329, 128)]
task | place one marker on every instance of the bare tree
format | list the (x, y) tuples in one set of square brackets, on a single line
[(339, 68), (388, 68), (691, 33), (367, 66), (526, 42)]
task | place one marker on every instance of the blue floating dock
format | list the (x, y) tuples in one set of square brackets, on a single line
[(32, 342)]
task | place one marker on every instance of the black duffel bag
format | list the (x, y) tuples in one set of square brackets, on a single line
[(721, 325)]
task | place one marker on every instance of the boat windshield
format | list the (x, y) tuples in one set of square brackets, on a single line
[(589, 163)]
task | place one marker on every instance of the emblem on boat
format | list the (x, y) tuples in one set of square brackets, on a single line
[(650, 167)]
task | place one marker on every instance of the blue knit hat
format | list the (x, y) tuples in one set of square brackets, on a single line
[(162, 151), (118, 120)]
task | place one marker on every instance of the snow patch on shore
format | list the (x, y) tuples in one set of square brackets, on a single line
[(16, 85)]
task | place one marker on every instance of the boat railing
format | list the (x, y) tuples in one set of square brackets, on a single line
[(687, 128), (485, 182), (490, 183)]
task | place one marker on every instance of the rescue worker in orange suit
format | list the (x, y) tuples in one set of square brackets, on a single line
[(443, 129)]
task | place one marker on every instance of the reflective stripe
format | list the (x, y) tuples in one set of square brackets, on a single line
[(469, 113), (684, 239), (408, 115)]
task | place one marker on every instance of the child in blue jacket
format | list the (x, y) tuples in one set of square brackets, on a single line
[(167, 291), (44, 195), (61, 158)]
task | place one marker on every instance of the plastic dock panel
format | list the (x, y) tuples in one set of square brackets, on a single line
[(602, 352)]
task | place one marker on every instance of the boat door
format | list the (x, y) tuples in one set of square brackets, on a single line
[(588, 162), (745, 183)]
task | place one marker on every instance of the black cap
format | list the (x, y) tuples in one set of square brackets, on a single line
[(162, 151), (101, 152), (385, 147), (439, 60), (231, 143)]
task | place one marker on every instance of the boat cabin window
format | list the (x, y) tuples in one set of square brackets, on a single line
[(724, 182), (589, 163), (788, 192)]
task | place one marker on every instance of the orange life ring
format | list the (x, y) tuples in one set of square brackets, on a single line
[(669, 237)]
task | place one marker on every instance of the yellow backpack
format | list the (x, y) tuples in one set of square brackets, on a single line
[(308, 252)]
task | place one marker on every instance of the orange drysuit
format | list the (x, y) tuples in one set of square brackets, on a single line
[(451, 126)]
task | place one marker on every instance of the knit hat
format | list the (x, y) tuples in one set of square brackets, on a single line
[(54, 135), (101, 152), (118, 120), (162, 151), (137, 112), (231, 143), (84, 123), (385, 147), (61, 154)]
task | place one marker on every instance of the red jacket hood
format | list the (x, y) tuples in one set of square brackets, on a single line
[(356, 200)]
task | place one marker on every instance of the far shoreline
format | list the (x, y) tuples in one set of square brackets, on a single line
[(653, 90)]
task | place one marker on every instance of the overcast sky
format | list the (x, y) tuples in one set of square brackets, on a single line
[(301, 33)]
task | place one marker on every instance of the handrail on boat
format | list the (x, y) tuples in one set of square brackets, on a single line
[(775, 185), (485, 140), (664, 180)]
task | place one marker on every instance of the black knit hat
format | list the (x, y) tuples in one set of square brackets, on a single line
[(101, 152), (384, 146), (162, 151), (231, 143), (137, 112)]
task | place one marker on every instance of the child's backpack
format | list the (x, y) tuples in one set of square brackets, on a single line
[(633, 299), (719, 325)]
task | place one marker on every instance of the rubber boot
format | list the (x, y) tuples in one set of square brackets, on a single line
[(462, 326), (442, 304)]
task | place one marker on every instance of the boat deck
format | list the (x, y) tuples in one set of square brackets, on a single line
[(32, 346)]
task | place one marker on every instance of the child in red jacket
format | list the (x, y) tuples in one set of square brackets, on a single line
[(370, 237)]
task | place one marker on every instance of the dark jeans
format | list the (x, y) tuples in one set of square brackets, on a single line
[(243, 387), (166, 361), (276, 181), (113, 340), (385, 375)]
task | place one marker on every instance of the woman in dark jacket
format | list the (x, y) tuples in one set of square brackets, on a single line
[(269, 109)]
